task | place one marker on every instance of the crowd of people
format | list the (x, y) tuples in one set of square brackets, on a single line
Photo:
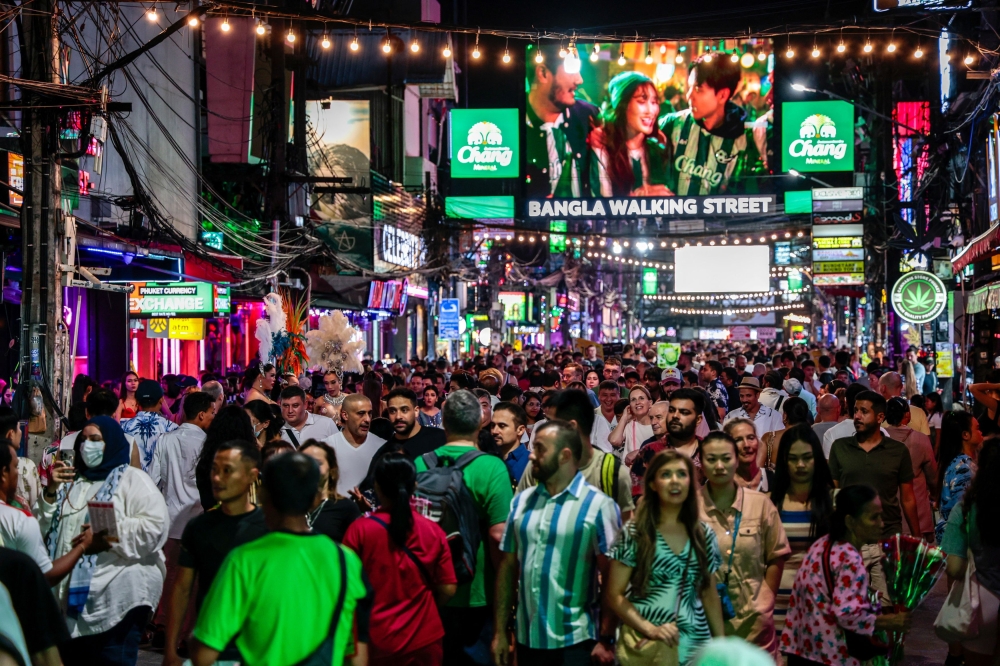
[(520, 508)]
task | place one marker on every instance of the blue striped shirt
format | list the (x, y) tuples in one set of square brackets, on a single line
[(556, 540)]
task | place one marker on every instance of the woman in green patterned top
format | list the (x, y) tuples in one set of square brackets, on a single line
[(669, 557), (630, 156)]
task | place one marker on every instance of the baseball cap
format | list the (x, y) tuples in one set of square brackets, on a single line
[(672, 375), (149, 389), (185, 381)]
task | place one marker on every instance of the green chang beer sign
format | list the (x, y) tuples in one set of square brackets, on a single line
[(668, 353), (919, 297), (485, 143), (817, 136)]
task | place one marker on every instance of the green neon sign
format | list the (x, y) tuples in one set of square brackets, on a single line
[(485, 143)]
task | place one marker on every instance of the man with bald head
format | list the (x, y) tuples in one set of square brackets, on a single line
[(890, 385), (827, 414), (214, 389), (355, 446)]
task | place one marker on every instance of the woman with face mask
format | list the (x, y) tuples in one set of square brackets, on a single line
[(752, 542), (112, 590)]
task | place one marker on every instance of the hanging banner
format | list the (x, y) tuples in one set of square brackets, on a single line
[(634, 207), (919, 297)]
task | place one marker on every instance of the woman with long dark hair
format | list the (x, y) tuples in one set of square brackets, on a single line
[(803, 494), (663, 566), (409, 556), (266, 422), (371, 386), (961, 440), (128, 406), (232, 422), (750, 533), (974, 525), (630, 154), (830, 593), (532, 408), (794, 411), (333, 513), (258, 382), (429, 415), (935, 412)]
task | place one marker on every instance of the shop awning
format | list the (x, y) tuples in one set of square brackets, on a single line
[(975, 249), (977, 300)]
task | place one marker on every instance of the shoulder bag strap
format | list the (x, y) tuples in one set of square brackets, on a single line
[(409, 553), (342, 595), (467, 458), (687, 563), (732, 549), (291, 436)]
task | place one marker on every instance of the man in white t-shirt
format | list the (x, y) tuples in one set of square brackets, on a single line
[(764, 418), (355, 446), (300, 423), (20, 531)]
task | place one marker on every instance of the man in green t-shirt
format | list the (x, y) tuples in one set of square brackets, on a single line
[(284, 595), (486, 477)]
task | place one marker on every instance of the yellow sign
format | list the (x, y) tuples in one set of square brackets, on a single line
[(830, 267), (157, 327), (186, 329), (838, 243), (15, 177)]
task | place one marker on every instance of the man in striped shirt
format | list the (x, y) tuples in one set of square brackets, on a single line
[(713, 142), (557, 537)]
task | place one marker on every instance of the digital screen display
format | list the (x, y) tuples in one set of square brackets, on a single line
[(722, 270)]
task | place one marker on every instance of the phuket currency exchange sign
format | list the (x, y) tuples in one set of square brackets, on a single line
[(485, 143), (919, 297), (817, 136)]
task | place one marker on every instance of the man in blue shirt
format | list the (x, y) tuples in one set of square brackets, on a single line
[(508, 429)]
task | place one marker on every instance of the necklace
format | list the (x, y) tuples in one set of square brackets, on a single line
[(314, 514)]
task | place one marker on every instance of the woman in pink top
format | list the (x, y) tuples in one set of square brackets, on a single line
[(407, 556), (830, 594)]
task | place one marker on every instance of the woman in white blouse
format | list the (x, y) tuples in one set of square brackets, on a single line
[(111, 591)]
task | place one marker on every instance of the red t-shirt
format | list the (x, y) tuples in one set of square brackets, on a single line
[(404, 615)]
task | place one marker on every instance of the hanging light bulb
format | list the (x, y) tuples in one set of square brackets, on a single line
[(735, 57), (762, 56), (261, 27), (919, 53), (506, 56), (789, 53), (891, 48), (354, 44), (446, 52), (326, 41), (225, 25), (815, 51), (387, 45), (746, 60), (707, 57), (621, 57), (475, 50), (596, 53), (415, 45), (868, 47), (562, 51), (539, 58), (152, 15), (841, 47), (969, 59), (679, 59), (194, 21), (649, 57), (290, 36)]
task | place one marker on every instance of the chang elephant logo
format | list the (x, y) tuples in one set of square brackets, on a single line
[(484, 148), (818, 142)]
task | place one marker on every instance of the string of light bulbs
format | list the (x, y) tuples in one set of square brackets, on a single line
[(732, 311), (724, 297), (569, 53), (797, 319)]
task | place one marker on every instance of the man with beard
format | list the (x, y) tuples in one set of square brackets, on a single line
[(557, 125), (507, 429), (871, 458), (557, 619), (764, 418), (651, 380), (354, 445), (414, 439)]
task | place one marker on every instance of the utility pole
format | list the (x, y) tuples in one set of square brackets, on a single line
[(43, 338)]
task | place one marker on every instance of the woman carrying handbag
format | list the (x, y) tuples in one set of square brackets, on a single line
[(669, 557), (974, 528)]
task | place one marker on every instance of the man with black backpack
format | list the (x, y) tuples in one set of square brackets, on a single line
[(601, 470), (467, 492)]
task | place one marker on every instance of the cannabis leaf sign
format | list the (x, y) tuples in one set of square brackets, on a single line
[(919, 297)]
